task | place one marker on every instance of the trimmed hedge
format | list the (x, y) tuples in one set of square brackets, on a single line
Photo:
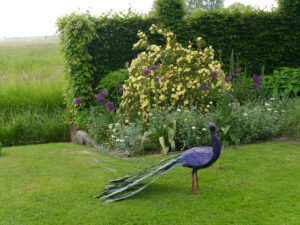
[(94, 46)]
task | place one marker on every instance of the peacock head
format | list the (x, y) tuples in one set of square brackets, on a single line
[(212, 126)]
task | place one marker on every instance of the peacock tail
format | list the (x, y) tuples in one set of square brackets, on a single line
[(130, 185)]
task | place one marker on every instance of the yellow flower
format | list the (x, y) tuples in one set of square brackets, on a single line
[(186, 102), (162, 97)]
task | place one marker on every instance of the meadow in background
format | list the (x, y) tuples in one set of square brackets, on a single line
[(31, 92)]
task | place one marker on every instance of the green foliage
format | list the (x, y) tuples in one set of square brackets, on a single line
[(107, 84), (0, 148), (284, 82), (98, 124), (31, 93), (292, 118), (192, 5), (95, 46), (243, 124), (169, 13)]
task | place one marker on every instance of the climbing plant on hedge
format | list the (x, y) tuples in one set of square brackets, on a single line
[(76, 32)]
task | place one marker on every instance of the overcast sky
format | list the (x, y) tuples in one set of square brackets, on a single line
[(20, 18)]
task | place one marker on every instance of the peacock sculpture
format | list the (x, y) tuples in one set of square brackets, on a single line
[(195, 158)]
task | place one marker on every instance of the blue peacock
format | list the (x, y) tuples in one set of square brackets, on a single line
[(195, 158)]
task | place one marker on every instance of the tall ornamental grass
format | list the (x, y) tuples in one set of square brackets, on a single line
[(31, 93)]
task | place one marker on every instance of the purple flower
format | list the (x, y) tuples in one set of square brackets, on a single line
[(78, 100), (204, 87), (237, 71), (100, 100), (156, 79), (110, 106), (121, 90), (255, 86), (253, 100), (236, 64), (146, 71), (214, 74), (116, 84), (256, 79), (219, 51), (126, 64), (153, 67), (102, 94), (163, 80), (228, 78)]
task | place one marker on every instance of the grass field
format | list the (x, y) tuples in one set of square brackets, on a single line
[(31, 92), (53, 184)]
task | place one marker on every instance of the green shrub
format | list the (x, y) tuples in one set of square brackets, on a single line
[(284, 82), (292, 118), (112, 84)]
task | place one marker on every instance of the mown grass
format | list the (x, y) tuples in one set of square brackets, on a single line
[(53, 184), (31, 92)]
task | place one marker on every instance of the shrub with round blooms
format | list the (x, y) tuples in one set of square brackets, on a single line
[(171, 77)]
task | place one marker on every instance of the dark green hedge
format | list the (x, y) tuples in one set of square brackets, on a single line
[(94, 46)]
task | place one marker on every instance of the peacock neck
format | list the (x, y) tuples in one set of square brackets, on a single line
[(216, 145)]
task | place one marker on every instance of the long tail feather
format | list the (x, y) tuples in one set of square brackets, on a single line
[(120, 186)]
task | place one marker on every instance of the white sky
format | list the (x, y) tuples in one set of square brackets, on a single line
[(38, 17)]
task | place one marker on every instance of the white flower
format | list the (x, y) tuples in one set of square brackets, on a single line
[(266, 104), (110, 126), (204, 129), (275, 111), (116, 124), (211, 103), (245, 114), (193, 128), (126, 121), (282, 110), (121, 140), (207, 106), (117, 140), (113, 136), (272, 99), (178, 110), (269, 109)]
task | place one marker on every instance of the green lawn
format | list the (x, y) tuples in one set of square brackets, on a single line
[(53, 184)]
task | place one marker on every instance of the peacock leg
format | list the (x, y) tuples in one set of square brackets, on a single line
[(197, 181), (193, 190)]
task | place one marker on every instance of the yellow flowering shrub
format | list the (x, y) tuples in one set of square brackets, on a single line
[(171, 76)]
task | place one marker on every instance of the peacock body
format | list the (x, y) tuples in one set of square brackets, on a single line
[(195, 158)]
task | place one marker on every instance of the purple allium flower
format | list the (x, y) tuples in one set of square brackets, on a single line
[(204, 87), (78, 100), (110, 106), (146, 71), (219, 51), (116, 84), (102, 94), (126, 64), (255, 86), (237, 71), (121, 90), (163, 80), (214, 74), (236, 64), (228, 78), (156, 79), (100, 100), (256, 79), (153, 67)]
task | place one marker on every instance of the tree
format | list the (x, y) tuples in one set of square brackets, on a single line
[(191, 5), (240, 6)]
